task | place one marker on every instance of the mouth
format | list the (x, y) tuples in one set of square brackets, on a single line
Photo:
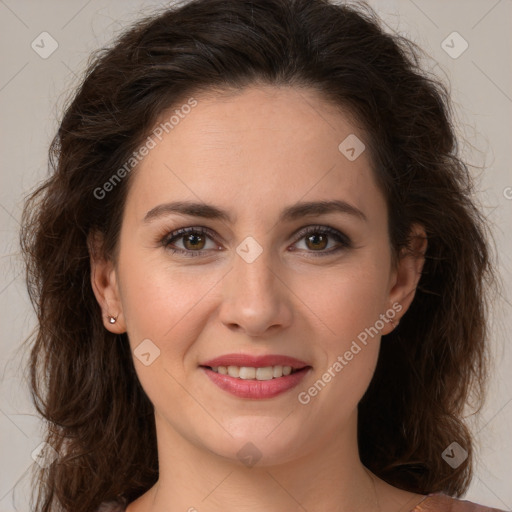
[(255, 377)]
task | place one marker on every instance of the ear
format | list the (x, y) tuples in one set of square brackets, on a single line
[(406, 275), (105, 284)]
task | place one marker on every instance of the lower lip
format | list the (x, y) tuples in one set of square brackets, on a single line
[(256, 388)]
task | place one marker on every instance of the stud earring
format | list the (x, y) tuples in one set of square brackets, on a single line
[(112, 319)]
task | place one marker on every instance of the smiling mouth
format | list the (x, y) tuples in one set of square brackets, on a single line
[(255, 373)]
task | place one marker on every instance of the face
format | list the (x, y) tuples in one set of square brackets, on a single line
[(269, 277)]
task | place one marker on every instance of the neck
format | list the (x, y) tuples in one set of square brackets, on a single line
[(330, 476)]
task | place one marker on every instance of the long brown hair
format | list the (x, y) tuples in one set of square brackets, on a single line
[(83, 381)]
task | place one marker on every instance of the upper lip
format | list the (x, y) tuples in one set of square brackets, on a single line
[(255, 361)]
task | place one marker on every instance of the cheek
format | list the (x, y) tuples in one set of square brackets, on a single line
[(352, 300), (348, 354), (163, 304), (166, 307), (348, 345)]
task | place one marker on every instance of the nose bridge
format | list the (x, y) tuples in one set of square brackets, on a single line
[(254, 297), (253, 271)]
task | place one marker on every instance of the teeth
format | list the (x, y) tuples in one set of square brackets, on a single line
[(246, 372), (251, 373), (233, 371), (277, 371), (265, 373)]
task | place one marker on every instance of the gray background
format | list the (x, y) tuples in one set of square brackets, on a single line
[(32, 93)]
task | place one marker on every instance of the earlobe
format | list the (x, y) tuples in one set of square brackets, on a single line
[(105, 285), (408, 272)]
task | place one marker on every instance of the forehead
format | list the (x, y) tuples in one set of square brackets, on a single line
[(252, 150)]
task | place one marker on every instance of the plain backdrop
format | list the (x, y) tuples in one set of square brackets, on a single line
[(475, 61)]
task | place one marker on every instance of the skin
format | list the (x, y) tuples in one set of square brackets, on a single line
[(254, 153)]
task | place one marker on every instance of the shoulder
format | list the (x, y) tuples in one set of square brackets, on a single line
[(111, 506), (439, 502)]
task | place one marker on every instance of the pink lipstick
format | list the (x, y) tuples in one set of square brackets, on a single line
[(255, 377)]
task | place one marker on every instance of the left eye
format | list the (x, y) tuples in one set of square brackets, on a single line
[(194, 240), (317, 237)]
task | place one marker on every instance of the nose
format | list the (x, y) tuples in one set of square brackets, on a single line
[(255, 297)]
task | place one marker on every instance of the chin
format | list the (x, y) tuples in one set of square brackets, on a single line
[(261, 441)]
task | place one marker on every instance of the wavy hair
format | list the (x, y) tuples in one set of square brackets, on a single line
[(82, 377)]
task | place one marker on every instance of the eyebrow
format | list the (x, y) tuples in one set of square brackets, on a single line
[(291, 213)]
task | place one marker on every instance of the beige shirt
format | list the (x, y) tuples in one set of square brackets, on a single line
[(434, 502)]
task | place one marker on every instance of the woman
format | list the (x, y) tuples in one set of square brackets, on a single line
[(260, 279)]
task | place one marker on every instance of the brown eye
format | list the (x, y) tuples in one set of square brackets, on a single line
[(192, 239), (317, 239)]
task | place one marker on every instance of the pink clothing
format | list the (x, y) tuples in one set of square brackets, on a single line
[(439, 502), (435, 502)]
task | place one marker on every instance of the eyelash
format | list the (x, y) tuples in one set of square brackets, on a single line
[(345, 242)]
